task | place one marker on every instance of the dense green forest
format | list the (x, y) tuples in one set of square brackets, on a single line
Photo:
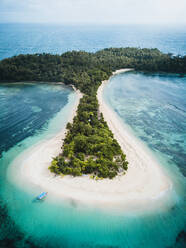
[(89, 146), (85, 70)]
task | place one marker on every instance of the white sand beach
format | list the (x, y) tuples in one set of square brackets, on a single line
[(145, 184)]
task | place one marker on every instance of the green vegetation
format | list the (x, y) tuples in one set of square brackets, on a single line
[(84, 70), (89, 146)]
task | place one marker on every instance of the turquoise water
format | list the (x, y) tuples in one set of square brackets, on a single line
[(26, 108), (152, 105), (55, 223), (38, 38), (29, 113)]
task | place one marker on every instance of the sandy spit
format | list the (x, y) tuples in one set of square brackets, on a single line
[(144, 186)]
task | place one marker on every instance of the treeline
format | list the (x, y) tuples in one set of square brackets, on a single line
[(89, 146), (85, 70), (150, 60)]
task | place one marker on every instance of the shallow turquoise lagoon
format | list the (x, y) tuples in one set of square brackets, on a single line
[(154, 108), (33, 112)]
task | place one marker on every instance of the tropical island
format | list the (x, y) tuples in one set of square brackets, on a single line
[(95, 144), (89, 146)]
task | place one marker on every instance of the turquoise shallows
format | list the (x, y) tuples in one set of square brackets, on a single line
[(57, 223)]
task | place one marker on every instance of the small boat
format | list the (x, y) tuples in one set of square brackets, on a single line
[(42, 195)]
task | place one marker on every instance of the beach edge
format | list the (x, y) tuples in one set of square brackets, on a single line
[(139, 189)]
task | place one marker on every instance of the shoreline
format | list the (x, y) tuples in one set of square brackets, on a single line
[(142, 187)]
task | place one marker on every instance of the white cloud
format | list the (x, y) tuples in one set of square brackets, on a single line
[(94, 11)]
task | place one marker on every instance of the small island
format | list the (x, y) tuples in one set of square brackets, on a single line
[(89, 146), (96, 145)]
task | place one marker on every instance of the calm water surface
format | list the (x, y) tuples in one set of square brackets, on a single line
[(39, 38), (53, 223), (154, 106)]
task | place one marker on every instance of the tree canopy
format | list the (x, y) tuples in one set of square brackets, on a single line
[(86, 70)]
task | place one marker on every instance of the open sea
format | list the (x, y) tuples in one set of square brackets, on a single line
[(153, 106)]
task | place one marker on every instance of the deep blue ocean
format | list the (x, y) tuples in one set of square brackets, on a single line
[(152, 105), (56, 39)]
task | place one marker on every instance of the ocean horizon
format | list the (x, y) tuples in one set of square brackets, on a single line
[(31, 38)]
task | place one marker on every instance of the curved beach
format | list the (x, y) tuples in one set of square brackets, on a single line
[(144, 186)]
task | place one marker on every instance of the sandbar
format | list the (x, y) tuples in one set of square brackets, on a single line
[(144, 186)]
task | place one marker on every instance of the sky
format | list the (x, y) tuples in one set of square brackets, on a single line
[(94, 11)]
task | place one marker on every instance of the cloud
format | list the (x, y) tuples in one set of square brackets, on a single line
[(94, 11)]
